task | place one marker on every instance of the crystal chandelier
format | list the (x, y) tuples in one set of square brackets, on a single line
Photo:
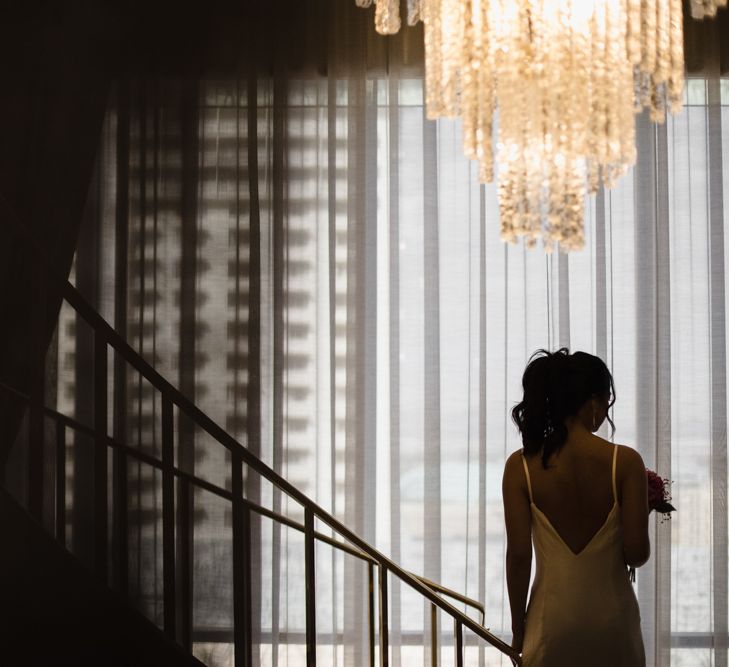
[(567, 77)]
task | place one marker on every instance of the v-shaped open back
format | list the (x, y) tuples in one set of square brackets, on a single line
[(582, 603), (548, 523)]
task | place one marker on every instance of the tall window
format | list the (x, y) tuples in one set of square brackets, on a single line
[(393, 329)]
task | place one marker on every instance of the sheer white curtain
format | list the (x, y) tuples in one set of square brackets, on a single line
[(407, 433), (318, 266)]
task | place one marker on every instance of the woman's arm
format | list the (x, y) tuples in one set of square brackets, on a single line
[(518, 519), (634, 508)]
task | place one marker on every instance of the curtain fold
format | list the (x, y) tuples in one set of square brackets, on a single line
[(57, 73)]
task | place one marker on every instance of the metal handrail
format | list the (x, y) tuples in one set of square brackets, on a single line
[(74, 424), (76, 301), (105, 335)]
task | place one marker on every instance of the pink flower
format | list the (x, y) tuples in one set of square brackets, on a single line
[(658, 493)]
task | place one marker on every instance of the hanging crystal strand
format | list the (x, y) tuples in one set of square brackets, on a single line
[(697, 9), (648, 60), (499, 27), (613, 66), (700, 9), (603, 77), (560, 81), (611, 107), (538, 145), (533, 170), (572, 185), (658, 104), (452, 28), (469, 77), (718, 3), (675, 76), (648, 33), (415, 11), (533, 132), (558, 222), (576, 236), (387, 16), (523, 87), (433, 59), (597, 115), (619, 107), (563, 237), (509, 61), (557, 90), (715, 6), (582, 72), (633, 17), (504, 185), (662, 64), (625, 121), (624, 82), (663, 41), (506, 189), (485, 78)]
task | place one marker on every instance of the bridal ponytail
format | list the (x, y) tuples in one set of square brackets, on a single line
[(556, 385)]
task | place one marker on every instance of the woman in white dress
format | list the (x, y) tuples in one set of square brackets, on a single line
[(583, 503)]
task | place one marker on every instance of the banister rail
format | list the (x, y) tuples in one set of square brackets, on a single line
[(105, 335), (148, 459)]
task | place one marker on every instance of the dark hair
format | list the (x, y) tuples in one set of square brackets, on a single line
[(556, 385)]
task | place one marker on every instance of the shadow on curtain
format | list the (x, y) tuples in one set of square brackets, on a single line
[(275, 225)]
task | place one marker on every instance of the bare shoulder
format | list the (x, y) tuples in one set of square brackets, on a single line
[(629, 460), (513, 467)]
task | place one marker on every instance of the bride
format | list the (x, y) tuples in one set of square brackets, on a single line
[(583, 503)]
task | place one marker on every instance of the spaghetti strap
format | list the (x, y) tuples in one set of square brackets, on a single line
[(615, 457), (529, 481)]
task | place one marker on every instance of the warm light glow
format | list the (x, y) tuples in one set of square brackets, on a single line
[(702, 8), (566, 76)]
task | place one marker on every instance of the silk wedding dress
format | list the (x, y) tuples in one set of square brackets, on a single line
[(582, 609)]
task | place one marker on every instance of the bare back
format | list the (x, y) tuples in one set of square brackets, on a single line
[(575, 491), (581, 603)]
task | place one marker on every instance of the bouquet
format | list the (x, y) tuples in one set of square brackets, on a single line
[(659, 494)]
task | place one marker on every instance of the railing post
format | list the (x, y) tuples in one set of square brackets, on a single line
[(371, 609), (101, 520), (309, 555), (184, 536), (37, 389), (242, 628), (458, 643), (384, 632), (168, 517), (433, 635), (120, 538), (120, 495), (61, 482)]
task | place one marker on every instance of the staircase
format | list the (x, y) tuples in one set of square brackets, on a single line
[(111, 460), (54, 613)]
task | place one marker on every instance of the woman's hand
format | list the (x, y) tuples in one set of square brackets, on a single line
[(517, 640)]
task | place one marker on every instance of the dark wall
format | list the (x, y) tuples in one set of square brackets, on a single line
[(53, 613)]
